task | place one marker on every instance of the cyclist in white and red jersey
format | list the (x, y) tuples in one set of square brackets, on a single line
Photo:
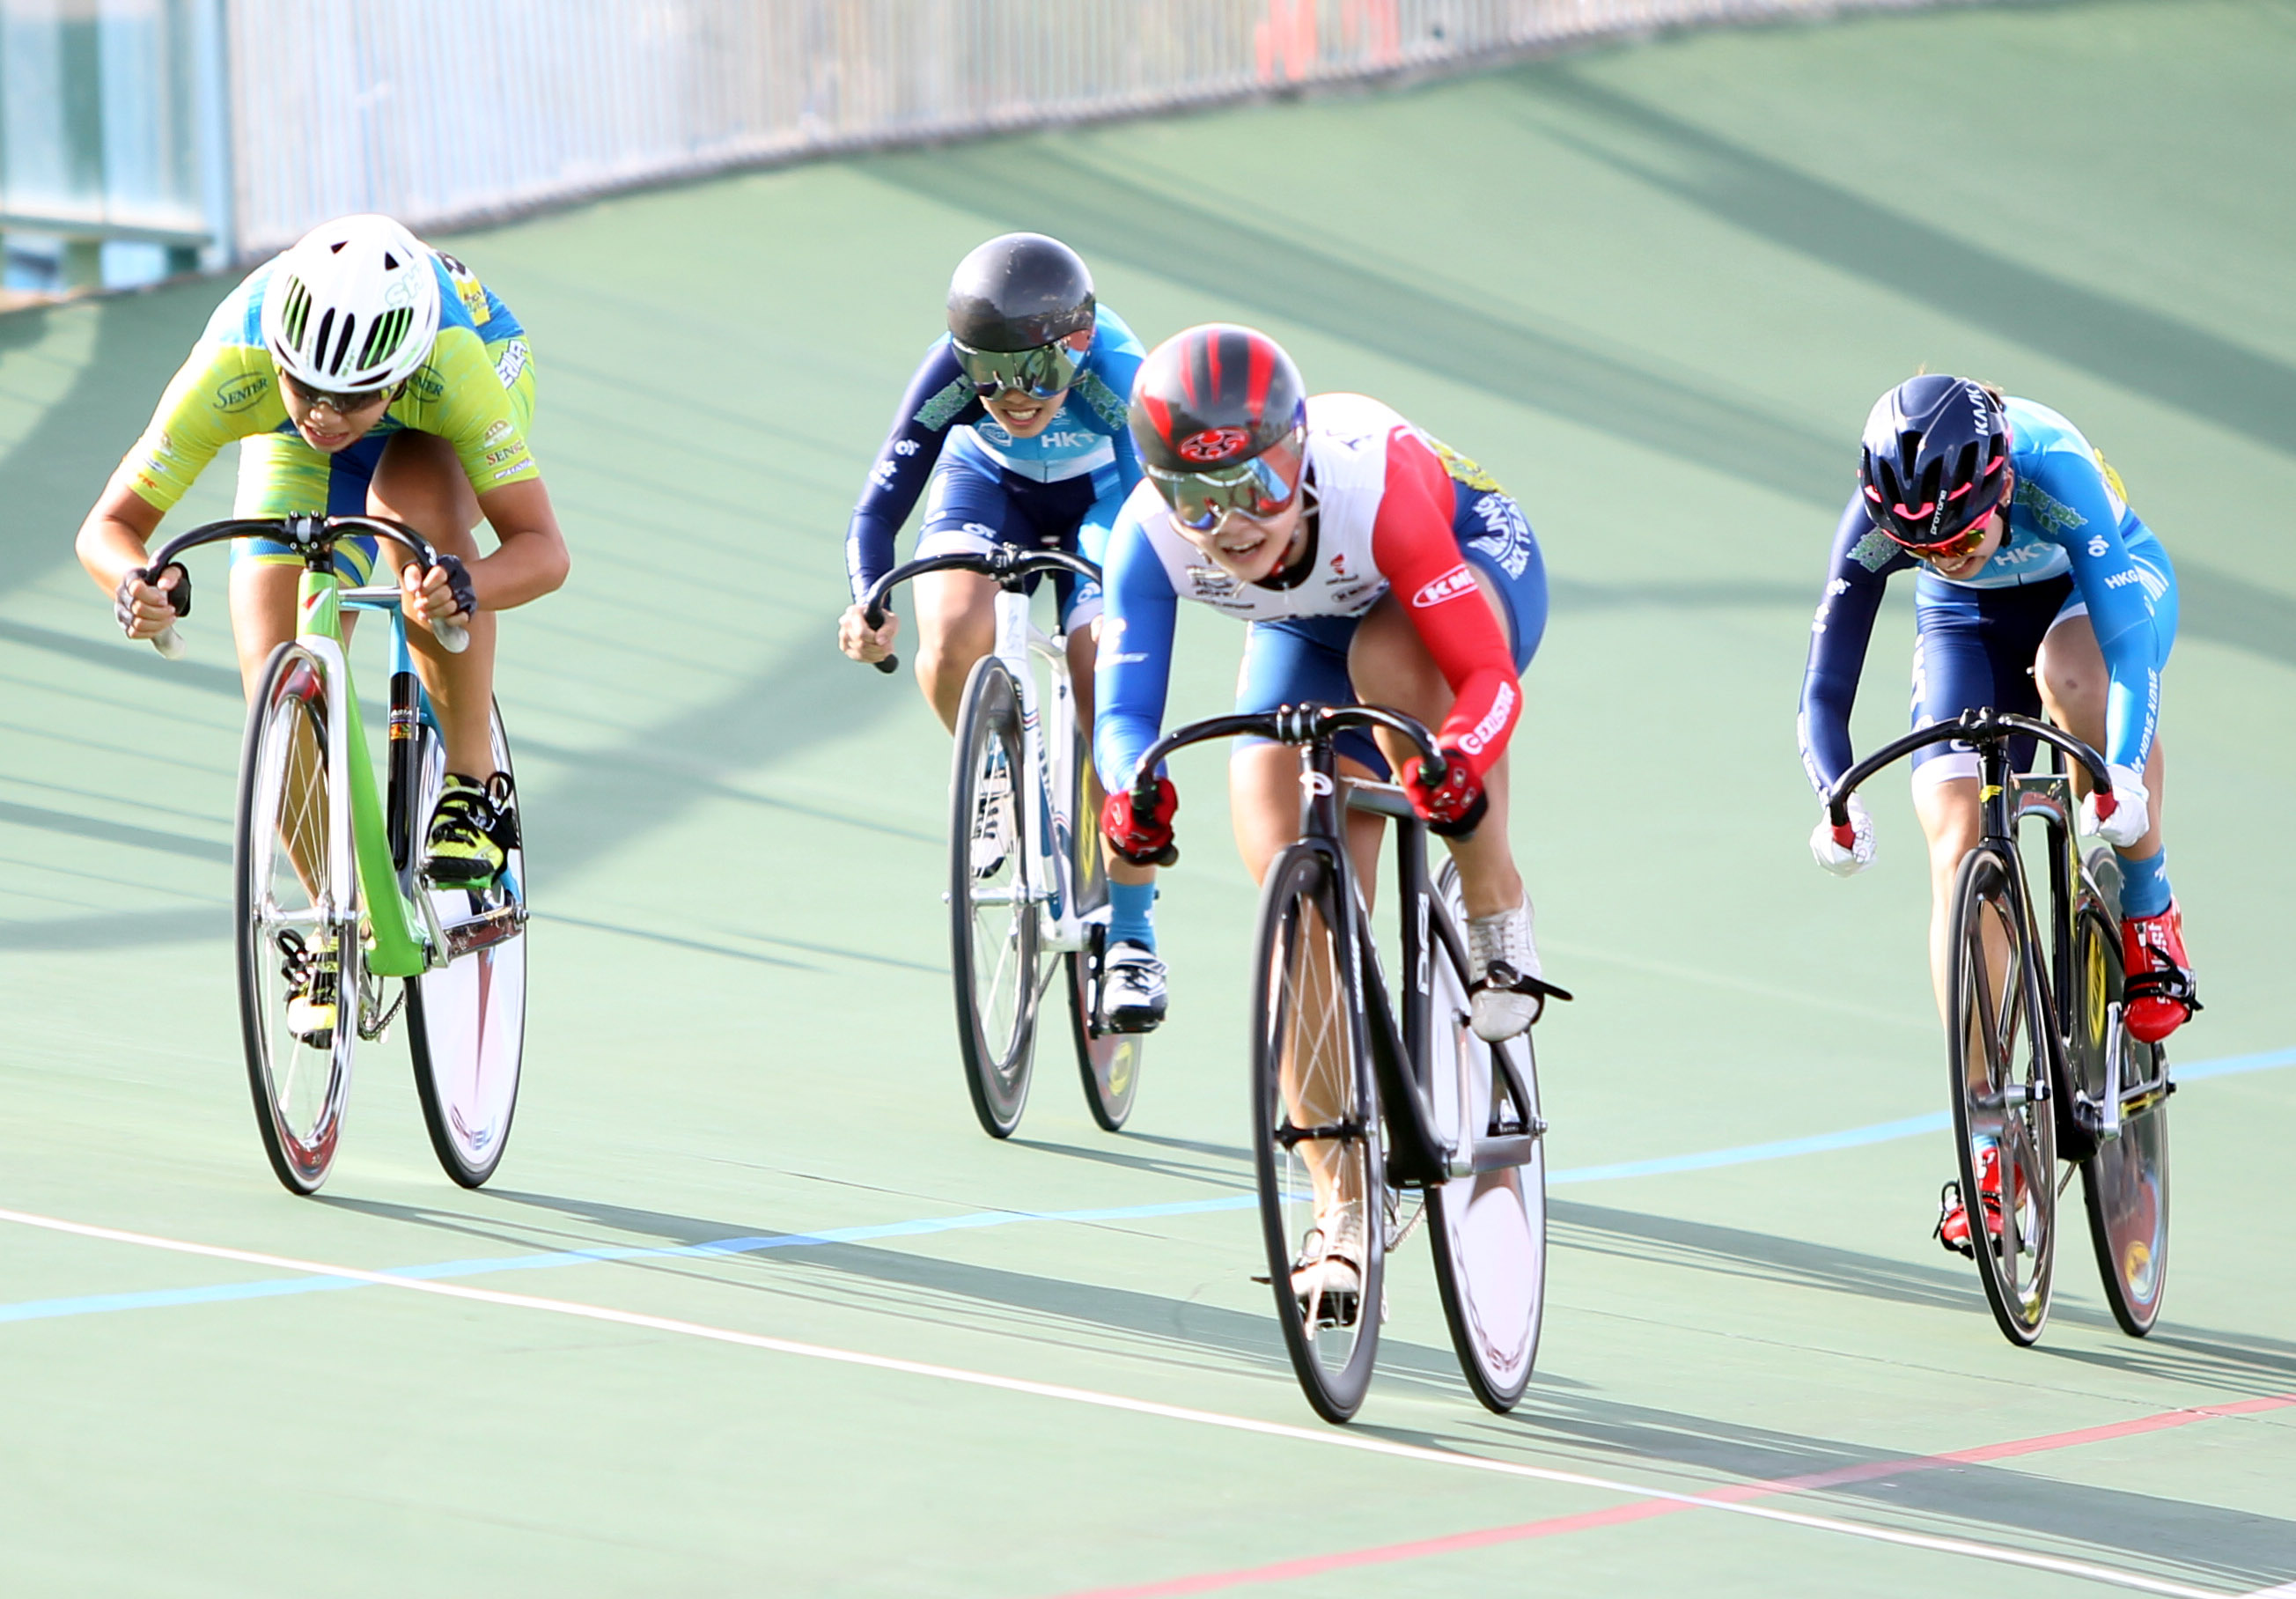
[(1373, 565)]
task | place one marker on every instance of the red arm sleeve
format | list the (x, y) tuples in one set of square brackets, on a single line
[(1413, 543)]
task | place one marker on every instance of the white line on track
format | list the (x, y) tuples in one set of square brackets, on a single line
[(1332, 1437)]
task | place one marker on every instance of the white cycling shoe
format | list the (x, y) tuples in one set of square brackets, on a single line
[(1503, 974), (1131, 990), (1327, 1275)]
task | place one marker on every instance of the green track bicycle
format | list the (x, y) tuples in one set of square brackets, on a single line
[(331, 905)]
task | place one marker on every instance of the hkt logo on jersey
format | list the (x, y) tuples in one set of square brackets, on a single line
[(1450, 585), (1214, 444)]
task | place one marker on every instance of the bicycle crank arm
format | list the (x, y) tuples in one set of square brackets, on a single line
[(1340, 1132), (1499, 1155), (484, 931)]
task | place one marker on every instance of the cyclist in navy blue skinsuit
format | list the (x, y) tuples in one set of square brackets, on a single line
[(1013, 430), (2037, 586)]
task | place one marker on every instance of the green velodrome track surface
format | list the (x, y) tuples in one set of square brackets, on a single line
[(1655, 288)]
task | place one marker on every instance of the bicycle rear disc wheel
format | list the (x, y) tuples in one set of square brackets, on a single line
[(1998, 1048), (1489, 1231), (466, 1020), (994, 937), (1325, 1192), (298, 918), (1109, 1063), (2125, 1184)]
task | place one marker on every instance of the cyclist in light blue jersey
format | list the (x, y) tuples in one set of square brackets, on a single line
[(1013, 432), (2037, 587)]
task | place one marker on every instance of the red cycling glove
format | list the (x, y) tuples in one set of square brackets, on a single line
[(1143, 839), (1453, 807)]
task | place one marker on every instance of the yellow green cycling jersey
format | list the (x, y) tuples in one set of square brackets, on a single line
[(475, 391)]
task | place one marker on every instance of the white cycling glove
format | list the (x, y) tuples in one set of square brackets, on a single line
[(1829, 852), (2131, 817)]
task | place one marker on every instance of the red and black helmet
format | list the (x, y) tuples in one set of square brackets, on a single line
[(1935, 459), (1209, 400)]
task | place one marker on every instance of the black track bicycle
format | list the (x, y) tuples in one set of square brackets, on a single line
[(1028, 875), (1368, 1118), (2042, 1063)]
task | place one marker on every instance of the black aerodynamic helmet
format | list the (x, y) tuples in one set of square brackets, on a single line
[(1934, 460), (1018, 292), (1220, 417)]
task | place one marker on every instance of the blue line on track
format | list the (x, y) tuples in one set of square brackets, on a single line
[(1881, 1132)]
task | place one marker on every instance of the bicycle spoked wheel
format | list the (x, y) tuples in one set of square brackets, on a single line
[(2004, 1124), (1316, 1147), (1109, 1063), (1489, 1231), (993, 932), (466, 1020), (2125, 1184), (298, 918)]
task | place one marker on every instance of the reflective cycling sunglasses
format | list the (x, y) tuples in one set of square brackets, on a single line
[(1041, 372), (1256, 488), (1963, 544), (341, 403)]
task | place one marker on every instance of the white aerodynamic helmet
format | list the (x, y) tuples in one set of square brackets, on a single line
[(353, 306)]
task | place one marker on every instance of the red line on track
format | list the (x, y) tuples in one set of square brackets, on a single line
[(1641, 1510)]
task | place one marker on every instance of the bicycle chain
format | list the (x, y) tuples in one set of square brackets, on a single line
[(372, 1028)]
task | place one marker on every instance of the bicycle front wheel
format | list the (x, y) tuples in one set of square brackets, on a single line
[(994, 937), (2125, 1184), (1488, 1230), (466, 1020), (2003, 1122), (1315, 1144), (298, 919), (1109, 1063)]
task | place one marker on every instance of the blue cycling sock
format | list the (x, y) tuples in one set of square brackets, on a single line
[(1128, 920), (2145, 885)]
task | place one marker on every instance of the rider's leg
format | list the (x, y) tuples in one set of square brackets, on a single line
[(2074, 686), (1263, 801), (956, 626), (420, 481), (2074, 681), (1948, 807), (1390, 665)]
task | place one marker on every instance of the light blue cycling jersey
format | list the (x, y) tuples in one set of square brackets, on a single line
[(2068, 513)]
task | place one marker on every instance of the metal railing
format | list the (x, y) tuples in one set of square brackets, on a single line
[(455, 111)]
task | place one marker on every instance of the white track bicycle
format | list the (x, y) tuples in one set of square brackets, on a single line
[(1028, 893)]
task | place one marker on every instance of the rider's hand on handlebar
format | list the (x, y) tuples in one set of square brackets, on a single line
[(1453, 807), (1143, 839), (2131, 817), (442, 593), (145, 608), (862, 641), (1844, 860)]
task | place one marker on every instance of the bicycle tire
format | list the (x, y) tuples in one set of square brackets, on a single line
[(994, 932), (1488, 1230), (1297, 999), (292, 912), (2125, 1183), (466, 1020), (1108, 1063), (1997, 1044)]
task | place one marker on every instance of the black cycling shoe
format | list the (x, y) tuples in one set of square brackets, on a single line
[(473, 829)]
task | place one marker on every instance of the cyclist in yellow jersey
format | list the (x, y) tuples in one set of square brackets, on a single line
[(362, 372)]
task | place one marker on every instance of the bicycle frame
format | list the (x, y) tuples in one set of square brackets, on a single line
[(2006, 799), (1417, 1154), (403, 935), (1048, 749)]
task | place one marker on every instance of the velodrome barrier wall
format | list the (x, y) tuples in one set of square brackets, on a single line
[(446, 112)]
